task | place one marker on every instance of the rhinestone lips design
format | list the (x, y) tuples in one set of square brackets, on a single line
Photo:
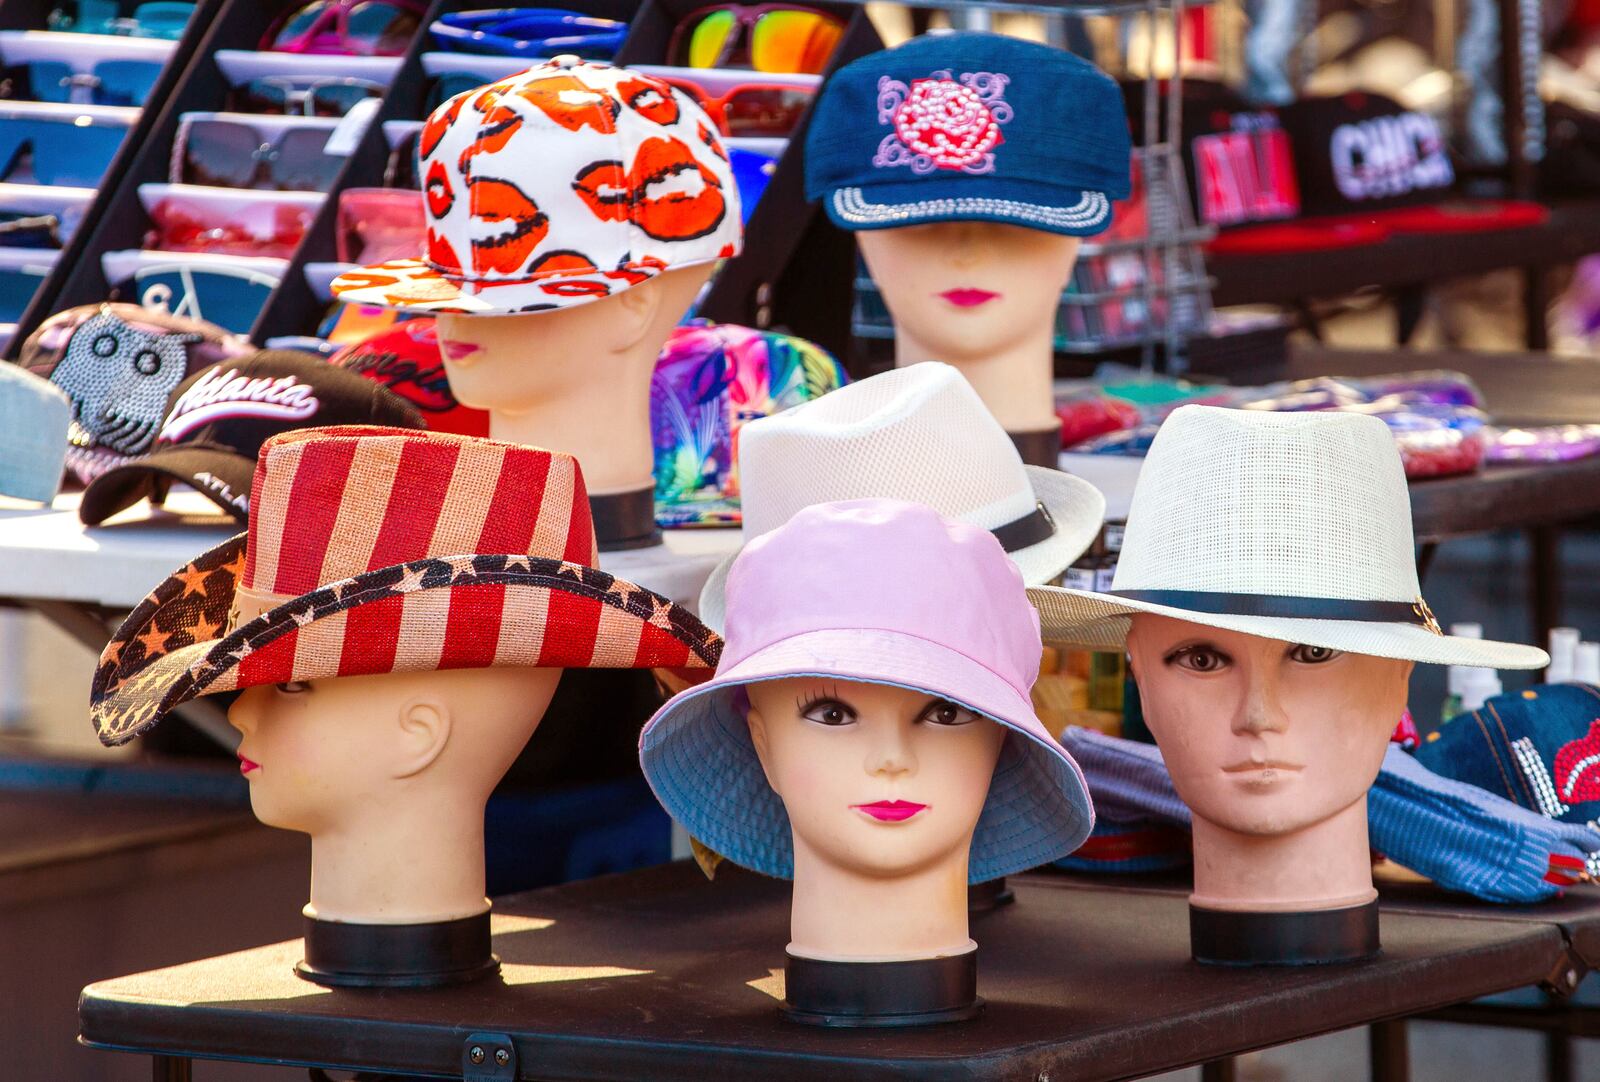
[(942, 122), (1578, 768)]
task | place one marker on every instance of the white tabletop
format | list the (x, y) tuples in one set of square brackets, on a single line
[(47, 553)]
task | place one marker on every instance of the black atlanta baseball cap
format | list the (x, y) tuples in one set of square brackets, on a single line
[(217, 420)]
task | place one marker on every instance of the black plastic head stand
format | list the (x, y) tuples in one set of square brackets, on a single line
[(1224, 937), (863, 995), (341, 955)]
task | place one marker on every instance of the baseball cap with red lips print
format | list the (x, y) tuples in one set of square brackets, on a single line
[(557, 186)]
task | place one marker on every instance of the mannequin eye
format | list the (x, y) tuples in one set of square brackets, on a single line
[(1312, 655), (828, 712), (294, 687), (945, 712), (1199, 659)]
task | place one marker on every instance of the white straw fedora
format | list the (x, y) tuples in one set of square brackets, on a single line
[(920, 434), (1292, 526)]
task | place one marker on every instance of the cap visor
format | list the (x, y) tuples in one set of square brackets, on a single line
[(220, 476), (1047, 207), (1100, 622), (699, 759)]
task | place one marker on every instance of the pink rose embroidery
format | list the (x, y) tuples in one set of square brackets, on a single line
[(942, 122)]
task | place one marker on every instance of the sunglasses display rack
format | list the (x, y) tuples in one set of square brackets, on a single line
[(75, 77)]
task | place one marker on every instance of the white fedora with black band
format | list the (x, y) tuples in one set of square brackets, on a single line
[(1291, 526), (921, 434)]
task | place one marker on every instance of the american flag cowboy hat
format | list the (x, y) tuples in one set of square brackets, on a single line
[(375, 550)]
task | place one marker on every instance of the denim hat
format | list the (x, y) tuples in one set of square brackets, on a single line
[(1539, 748), (969, 127), (34, 414)]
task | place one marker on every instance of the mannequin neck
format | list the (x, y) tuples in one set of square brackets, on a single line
[(597, 410), (842, 915), (1014, 381), (1325, 866), (412, 861)]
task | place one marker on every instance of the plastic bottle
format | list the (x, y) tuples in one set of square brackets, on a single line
[(1586, 669), (1563, 651), (1482, 685), (1456, 676)]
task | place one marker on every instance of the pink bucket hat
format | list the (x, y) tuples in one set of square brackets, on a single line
[(558, 186), (884, 592)]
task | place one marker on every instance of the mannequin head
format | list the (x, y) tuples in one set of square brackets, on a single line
[(832, 749), (549, 379), (389, 774), (981, 296), (1262, 736)]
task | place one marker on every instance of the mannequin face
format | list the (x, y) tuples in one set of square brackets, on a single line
[(1262, 736), (323, 754), (967, 290), (878, 780), (512, 363)]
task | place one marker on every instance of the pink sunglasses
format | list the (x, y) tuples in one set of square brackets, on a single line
[(346, 28), (379, 224)]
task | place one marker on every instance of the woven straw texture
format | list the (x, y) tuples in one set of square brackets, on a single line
[(1282, 504), (921, 434), (377, 550)]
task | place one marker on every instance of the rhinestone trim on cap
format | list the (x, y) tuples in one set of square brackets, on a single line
[(852, 206)]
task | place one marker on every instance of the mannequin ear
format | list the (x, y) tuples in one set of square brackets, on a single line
[(424, 732), (634, 314), (758, 739)]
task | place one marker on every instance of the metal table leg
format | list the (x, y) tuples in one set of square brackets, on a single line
[(1388, 1050), (1221, 1070), (171, 1069)]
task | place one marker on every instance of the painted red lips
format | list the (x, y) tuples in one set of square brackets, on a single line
[(1577, 768), (667, 193)]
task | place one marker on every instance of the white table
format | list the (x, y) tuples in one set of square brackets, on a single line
[(84, 578)]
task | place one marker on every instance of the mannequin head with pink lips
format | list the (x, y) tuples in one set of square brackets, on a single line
[(389, 774), (882, 784), (981, 296), (573, 379)]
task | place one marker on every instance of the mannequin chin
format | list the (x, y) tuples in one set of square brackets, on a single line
[(389, 774), (1273, 746), (981, 296), (883, 786), (573, 379)]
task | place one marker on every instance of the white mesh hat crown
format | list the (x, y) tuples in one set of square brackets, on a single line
[(1292, 526), (920, 434)]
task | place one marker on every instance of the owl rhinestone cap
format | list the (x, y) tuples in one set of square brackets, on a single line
[(969, 126), (558, 186), (1290, 526)]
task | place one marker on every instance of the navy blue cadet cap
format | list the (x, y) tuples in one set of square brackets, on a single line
[(969, 127)]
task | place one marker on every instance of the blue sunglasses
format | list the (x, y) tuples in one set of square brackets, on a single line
[(17, 287), (165, 19), (71, 151), (530, 32), (230, 298), (108, 82)]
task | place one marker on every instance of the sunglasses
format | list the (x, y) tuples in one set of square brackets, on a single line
[(405, 162), (763, 37), (303, 95), (237, 153), (66, 148), (229, 296), (17, 286), (165, 19), (256, 227), (751, 109), (106, 82), (19, 230), (376, 225), (529, 32), (346, 28)]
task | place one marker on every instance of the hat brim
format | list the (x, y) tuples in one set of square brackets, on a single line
[(424, 616), (1094, 621), (1046, 207), (212, 473), (414, 285), (1077, 508), (697, 754)]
